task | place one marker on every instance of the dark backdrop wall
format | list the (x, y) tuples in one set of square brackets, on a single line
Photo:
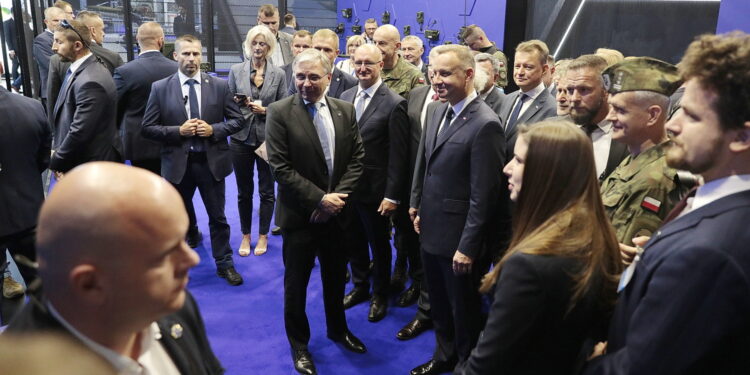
[(446, 16)]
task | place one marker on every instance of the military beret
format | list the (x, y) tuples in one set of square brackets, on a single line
[(642, 74)]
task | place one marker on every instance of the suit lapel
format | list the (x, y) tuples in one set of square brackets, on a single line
[(434, 121), (299, 111), (509, 109), (340, 131), (69, 85), (536, 105), (458, 122), (207, 96), (377, 98), (174, 94), (333, 88)]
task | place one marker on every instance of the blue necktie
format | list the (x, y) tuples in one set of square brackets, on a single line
[(320, 128), (516, 113), (196, 143)]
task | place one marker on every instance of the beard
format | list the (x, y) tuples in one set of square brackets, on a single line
[(585, 116), (677, 157)]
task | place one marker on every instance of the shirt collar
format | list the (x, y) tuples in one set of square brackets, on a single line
[(605, 125), (459, 107), (184, 78), (370, 90), (49, 31), (77, 64), (533, 93), (322, 100), (421, 64), (120, 362), (148, 51), (720, 188)]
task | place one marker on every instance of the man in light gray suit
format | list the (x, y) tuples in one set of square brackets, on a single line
[(527, 105), (281, 55)]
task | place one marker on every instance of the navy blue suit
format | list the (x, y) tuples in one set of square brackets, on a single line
[(384, 128), (42, 54), (686, 309), (165, 112), (84, 122), (456, 188), (133, 81)]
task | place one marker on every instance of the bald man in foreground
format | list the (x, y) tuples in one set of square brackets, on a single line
[(114, 266)]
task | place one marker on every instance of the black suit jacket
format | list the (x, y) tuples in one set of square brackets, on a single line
[(165, 112), (340, 82), (58, 68), (42, 54), (495, 101), (133, 81), (541, 108), (417, 98), (84, 120), (24, 155), (529, 329), (191, 352), (457, 180), (384, 128), (686, 308), (297, 160)]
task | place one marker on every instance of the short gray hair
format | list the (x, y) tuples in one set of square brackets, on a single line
[(254, 32), (413, 38), (312, 55), (482, 57)]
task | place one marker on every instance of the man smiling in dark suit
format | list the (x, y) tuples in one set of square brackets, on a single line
[(455, 192), (114, 266), (315, 153), (384, 127), (192, 114)]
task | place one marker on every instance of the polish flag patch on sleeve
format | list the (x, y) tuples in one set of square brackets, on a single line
[(651, 204)]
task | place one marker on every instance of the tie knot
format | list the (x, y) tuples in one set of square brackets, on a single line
[(449, 114), (364, 94), (191, 82), (523, 98)]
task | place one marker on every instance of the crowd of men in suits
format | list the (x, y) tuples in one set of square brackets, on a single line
[(355, 158)]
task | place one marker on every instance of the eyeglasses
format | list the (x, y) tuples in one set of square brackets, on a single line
[(357, 64), (66, 25)]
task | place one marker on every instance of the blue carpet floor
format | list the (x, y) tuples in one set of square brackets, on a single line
[(246, 327)]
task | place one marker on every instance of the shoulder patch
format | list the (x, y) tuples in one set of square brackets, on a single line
[(651, 204)]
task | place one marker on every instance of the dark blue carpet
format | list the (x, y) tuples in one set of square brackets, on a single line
[(246, 327)]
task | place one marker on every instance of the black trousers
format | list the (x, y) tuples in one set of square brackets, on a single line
[(372, 230), (456, 307), (406, 241), (198, 175), (300, 247), (20, 243), (243, 159)]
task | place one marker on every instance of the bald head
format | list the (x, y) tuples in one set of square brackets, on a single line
[(388, 32), (150, 36), (388, 40), (99, 213)]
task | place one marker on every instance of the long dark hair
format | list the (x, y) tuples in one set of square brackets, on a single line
[(559, 209)]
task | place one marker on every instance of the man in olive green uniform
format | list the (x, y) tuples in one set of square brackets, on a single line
[(476, 39), (398, 74), (639, 194)]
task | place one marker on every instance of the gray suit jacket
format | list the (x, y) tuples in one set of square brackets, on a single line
[(284, 41), (274, 88), (495, 101), (58, 68), (84, 118), (541, 108), (457, 180)]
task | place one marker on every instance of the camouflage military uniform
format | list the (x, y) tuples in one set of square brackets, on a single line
[(402, 78), (639, 194), (502, 79)]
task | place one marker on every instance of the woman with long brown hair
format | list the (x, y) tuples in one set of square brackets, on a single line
[(556, 285)]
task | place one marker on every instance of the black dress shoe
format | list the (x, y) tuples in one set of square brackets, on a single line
[(276, 231), (350, 342), (355, 297), (433, 367), (413, 329), (194, 239), (233, 278), (378, 308), (409, 296), (303, 362)]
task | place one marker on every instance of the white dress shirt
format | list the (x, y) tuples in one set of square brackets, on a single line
[(532, 94), (427, 102), (720, 188), (77, 64), (152, 360), (602, 140), (370, 92), (186, 90), (458, 108), (277, 57), (330, 130)]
